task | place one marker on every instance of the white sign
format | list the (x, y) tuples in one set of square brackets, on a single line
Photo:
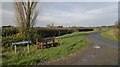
[(21, 42)]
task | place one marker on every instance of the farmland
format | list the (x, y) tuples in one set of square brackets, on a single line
[(59, 33), (70, 43)]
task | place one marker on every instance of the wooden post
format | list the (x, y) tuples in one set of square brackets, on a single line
[(36, 40), (28, 48), (41, 45), (15, 48)]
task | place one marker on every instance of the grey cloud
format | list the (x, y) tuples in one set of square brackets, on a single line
[(74, 13)]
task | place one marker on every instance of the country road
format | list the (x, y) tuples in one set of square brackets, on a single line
[(100, 52)]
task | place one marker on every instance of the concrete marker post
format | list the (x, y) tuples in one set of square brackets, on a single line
[(15, 48)]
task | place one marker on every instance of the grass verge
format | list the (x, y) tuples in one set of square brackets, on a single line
[(110, 35), (70, 43)]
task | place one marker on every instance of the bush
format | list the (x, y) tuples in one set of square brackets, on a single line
[(86, 29), (9, 31), (7, 41), (53, 32)]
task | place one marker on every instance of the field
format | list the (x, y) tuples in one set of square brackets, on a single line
[(111, 35), (70, 43)]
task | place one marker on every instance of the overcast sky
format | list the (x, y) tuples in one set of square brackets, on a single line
[(68, 13)]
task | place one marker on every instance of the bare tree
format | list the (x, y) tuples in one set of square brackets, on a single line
[(26, 14)]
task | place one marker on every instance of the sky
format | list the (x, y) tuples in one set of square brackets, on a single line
[(68, 13)]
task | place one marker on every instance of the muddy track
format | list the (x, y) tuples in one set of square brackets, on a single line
[(100, 52)]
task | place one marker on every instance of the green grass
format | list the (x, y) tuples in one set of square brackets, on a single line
[(70, 43), (109, 35)]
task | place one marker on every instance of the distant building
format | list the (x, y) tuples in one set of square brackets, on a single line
[(50, 26)]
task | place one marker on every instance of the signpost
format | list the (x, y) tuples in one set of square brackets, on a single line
[(24, 42)]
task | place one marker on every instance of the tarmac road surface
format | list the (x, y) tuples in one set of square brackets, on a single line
[(100, 52)]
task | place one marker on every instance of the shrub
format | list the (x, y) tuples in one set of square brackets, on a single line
[(53, 32), (7, 41)]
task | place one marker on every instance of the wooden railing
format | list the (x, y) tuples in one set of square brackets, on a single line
[(47, 42)]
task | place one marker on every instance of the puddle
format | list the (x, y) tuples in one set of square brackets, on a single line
[(97, 47)]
